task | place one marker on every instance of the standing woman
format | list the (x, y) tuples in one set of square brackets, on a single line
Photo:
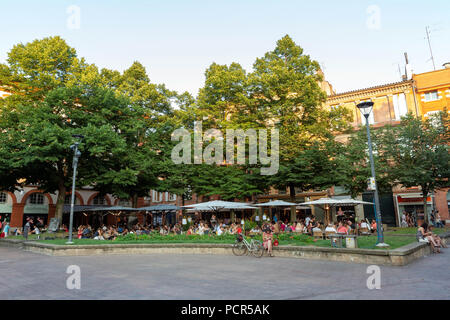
[(268, 239)]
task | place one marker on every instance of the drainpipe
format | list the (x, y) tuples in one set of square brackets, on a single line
[(413, 82)]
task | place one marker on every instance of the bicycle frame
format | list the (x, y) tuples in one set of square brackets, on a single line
[(250, 246)]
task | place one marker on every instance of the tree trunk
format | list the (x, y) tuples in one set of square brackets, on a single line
[(425, 211), (293, 209), (183, 210), (60, 203), (134, 199)]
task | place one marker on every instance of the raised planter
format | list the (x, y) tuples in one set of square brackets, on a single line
[(397, 257)]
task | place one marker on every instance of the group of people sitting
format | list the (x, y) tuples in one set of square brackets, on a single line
[(310, 226), (200, 228), (425, 234)]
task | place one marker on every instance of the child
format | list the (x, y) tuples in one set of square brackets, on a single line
[(37, 232)]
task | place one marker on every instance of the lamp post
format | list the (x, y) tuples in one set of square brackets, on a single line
[(76, 156), (366, 109)]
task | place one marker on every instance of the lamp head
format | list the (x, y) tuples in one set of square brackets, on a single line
[(365, 108)]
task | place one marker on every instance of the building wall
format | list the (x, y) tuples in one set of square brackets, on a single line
[(439, 81), (18, 203), (442, 200), (391, 101)]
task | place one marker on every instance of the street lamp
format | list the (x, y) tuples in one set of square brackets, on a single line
[(366, 109), (76, 156)]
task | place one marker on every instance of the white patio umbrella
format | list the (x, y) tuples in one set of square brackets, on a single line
[(335, 202), (322, 202), (353, 202), (219, 205), (216, 205), (276, 203), (206, 208)]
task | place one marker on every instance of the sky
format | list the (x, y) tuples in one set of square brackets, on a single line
[(358, 43)]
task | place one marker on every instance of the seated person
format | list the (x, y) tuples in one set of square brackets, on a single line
[(330, 228), (364, 225), (349, 226), (342, 228), (436, 238), (299, 227), (317, 228), (424, 236), (373, 226)]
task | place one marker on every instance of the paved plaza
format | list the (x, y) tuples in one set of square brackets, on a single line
[(26, 275)]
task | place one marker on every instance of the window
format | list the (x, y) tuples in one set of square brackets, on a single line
[(431, 96), (3, 197), (172, 197), (98, 200), (36, 198), (157, 196), (400, 107), (281, 191)]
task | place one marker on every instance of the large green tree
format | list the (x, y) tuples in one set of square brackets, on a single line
[(417, 153), (55, 95), (285, 86), (152, 103), (352, 169)]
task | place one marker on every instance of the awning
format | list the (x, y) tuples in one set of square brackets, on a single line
[(336, 202), (114, 208), (79, 208), (160, 207)]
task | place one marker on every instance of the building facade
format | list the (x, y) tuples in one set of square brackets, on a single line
[(422, 95), (433, 90)]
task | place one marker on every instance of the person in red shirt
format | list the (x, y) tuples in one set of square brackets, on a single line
[(342, 228), (373, 226)]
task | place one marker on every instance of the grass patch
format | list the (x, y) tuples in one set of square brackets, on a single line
[(412, 231), (364, 242)]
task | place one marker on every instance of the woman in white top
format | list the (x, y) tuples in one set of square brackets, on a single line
[(330, 228), (364, 225), (299, 227), (201, 229)]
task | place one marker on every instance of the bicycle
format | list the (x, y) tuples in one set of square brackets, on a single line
[(242, 246)]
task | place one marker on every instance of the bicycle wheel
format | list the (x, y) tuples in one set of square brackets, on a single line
[(239, 249), (258, 249)]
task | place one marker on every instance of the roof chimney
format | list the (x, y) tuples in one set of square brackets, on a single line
[(408, 69), (446, 65)]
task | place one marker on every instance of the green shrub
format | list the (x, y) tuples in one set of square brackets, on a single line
[(249, 225)]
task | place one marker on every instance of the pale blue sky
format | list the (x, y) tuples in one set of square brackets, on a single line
[(178, 40)]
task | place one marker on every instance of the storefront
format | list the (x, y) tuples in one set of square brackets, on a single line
[(411, 203)]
